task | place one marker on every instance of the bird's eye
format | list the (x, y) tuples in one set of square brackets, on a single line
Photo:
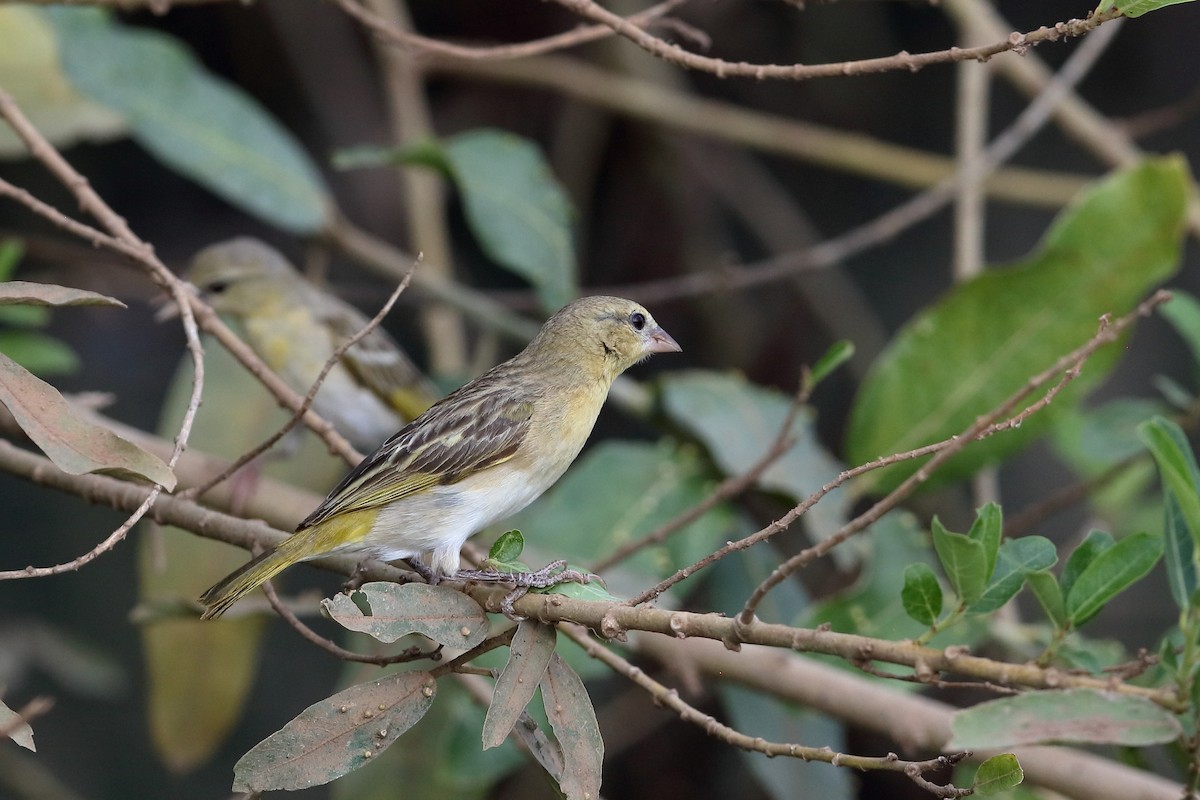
[(217, 287), (638, 320)]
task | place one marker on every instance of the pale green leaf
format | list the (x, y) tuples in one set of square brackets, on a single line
[(963, 560), (1017, 559), (922, 594), (998, 774), (395, 610)]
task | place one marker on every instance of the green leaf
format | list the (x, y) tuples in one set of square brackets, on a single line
[(964, 561), (18, 729), (38, 353), (1083, 716), (998, 774), (49, 294), (1180, 553), (1181, 485), (1094, 439), (1136, 8), (737, 421), (987, 529), (11, 250), (1049, 594), (838, 353), (1110, 573), (1017, 559), (528, 657), (1183, 312), (1096, 542), (396, 610), (573, 719), (592, 590), (424, 153), (336, 735), (508, 548), (516, 209), (985, 338), (73, 443), (196, 123), (922, 594)]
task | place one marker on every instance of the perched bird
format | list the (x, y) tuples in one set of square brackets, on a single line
[(295, 327), (481, 454)]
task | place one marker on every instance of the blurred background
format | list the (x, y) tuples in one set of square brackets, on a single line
[(666, 181)]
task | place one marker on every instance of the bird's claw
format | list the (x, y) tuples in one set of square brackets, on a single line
[(552, 574)]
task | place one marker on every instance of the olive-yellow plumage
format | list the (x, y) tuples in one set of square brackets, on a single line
[(476, 457), (295, 328)]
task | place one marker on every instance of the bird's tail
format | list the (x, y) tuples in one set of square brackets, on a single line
[(250, 576)]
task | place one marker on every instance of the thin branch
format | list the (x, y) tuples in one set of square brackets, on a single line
[(1018, 42), (1067, 366), (395, 35), (334, 359), (611, 620)]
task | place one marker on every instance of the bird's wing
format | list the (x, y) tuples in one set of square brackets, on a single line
[(377, 361), (474, 428)]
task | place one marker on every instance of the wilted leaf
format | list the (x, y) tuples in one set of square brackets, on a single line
[(998, 774), (196, 123), (1083, 716), (30, 71), (738, 421), (49, 294), (18, 730), (516, 209), (573, 719), (528, 656), (336, 735), (922, 594), (75, 445), (1110, 573), (985, 338), (1017, 559), (443, 614)]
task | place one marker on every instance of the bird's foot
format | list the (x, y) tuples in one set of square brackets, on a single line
[(430, 576), (552, 574)]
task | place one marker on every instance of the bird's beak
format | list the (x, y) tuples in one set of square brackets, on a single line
[(662, 342)]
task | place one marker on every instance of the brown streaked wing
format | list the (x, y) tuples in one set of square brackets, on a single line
[(459, 436)]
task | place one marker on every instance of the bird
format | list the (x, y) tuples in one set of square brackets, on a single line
[(477, 456), (294, 326)]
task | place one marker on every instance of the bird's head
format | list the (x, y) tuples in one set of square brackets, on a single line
[(241, 275), (607, 334)]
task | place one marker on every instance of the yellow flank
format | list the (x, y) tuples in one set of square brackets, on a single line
[(477, 456)]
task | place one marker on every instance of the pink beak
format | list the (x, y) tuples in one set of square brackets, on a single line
[(662, 342)]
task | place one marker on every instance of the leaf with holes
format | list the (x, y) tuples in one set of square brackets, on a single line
[(391, 611)]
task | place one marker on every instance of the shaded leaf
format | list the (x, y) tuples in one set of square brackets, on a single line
[(196, 123), (11, 250), (1049, 594), (1071, 715), (964, 561), (516, 209), (838, 353), (922, 594), (507, 549), (987, 530), (1183, 312), (1110, 573), (738, 421), (38, 353), (528, 656), (336, 735), (1179, 549), (1181, 493), (1136, 8), (573, 720), (984, 339), (443, 614), (998, 774), (592, 590), (49, 294), (75, 445), (18, 729), (1017, 559), (1096, 542)]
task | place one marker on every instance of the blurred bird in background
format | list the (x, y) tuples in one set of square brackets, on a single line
[(295, 327), (476, 457)]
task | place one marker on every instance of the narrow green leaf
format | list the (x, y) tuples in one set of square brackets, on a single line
[(516, 209), (73, 443), (1183, 312), (998, 774), (573, 720), (1179, 553), (18, 729), (838, 353), (196, 123), (1181, 499), (1136, 8), (528, 657), (49, 294), (38, 353), (984, 339), (922, 594), (1046, 590), (1083, 716), (963, 560), (1017, 559), (507, 548), (1096, 542), (987, 530), (424, 153), (11, 252), (336, 735), (439, 612), (1110, 573)]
